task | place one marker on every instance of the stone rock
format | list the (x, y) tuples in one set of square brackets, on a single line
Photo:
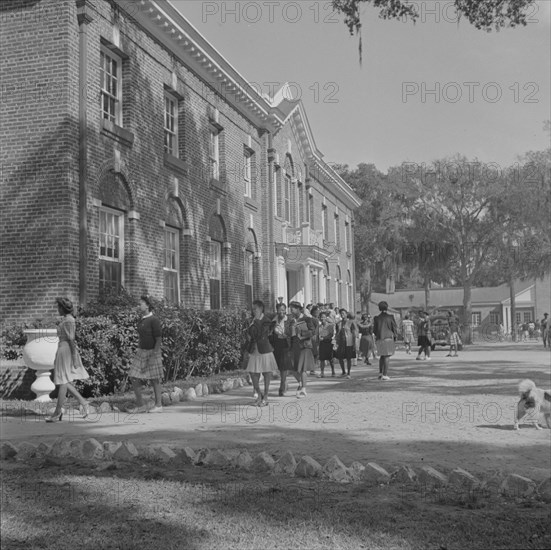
[(263, 462), (462, 478), (189, 395), (199, 390), (205, 390), (355, 470), (110, 448), (164, 453), (216, 387), (75, 447), (60, 448), (405, 474), (165, 399), (335, 470), (186, 455), (286, 464), (127, 451), (544, 490), (104, 408), (175, 397), (178, 390), (430, 477), (235, 384), (216, 457), (243, 460), (240, 382), (43, 449), (25, 451), (92, 449), (308, 467), (374, 473), (515, 485), (200, 456)]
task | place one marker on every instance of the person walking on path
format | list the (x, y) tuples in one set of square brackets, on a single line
[(423, 337), (261, 356), (281, 342), (454, 334), (314, 314), (148, 363), (68, 365), (326, 333), (386, 332), (545, 329), (407, 333), (302, 329), (346, 342), (365, 328)]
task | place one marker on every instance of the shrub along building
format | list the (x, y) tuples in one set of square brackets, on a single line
[(134, 155)]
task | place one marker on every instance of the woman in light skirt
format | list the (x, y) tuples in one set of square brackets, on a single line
[(261, 352), (386, 332), (67, 364), (302, 330)]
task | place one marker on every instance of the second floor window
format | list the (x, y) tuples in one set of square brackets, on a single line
[(324, 223), (337, 233), (214, 152), (300, 203), (110, 86), (171, 125), (347, 237), (247, 173), (288, 199)]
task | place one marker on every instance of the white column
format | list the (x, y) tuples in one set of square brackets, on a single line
[(306, 286)]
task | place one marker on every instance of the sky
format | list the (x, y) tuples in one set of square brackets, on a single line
[(491, 92)]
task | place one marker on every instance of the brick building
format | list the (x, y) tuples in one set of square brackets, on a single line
[(135, 155)]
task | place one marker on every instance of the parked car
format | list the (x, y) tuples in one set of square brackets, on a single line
[(440, 330)]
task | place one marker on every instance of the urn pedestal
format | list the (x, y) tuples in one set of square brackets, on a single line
[(39, 355)]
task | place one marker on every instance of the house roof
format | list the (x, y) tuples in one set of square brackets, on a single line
[(451, 297)]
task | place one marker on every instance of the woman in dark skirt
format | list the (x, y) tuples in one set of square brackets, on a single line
[(326, 331), (302, 329), (281, 341), (346, 342), (366, 341), (386, 332)]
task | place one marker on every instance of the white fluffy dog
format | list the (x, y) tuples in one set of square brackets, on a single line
[(535, 401)]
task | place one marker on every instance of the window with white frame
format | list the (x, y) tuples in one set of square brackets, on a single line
[(215, 274), (327, 283), (527, 316), (171, 267), (338, 283), (350, 293), (110, 86), (337, 232), (300, 189), (494, 318), (287, 198), (247, 172), (111, 249), (476, 317), (171, 125), (311, 216), (249, 277), (214, 152), (324, 223), (278, 193), (517, 318), (347, 237)]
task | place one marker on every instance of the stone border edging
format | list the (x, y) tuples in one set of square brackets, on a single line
[(511, 485)]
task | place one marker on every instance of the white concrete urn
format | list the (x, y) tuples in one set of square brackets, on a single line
[(39, 354)]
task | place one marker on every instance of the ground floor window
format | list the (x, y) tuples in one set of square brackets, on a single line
[(249, 278), (111, 246), (171, 266), (215, 275), (494, 318), (475, 318)]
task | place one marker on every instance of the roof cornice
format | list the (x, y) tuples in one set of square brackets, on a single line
[(178, 35)]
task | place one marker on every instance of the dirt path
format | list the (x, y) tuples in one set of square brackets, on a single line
[(446, 413)]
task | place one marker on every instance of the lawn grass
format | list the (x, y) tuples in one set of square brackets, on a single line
[(62, 504)]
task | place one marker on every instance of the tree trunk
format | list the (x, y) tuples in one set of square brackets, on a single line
[(513, 309), (365, 289), (426, 286), (467, 314)]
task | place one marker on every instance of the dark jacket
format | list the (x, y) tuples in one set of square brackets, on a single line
[(259, 332), (384, 326), (306, 330)]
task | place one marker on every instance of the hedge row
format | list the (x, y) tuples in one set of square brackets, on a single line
[(195, 343)]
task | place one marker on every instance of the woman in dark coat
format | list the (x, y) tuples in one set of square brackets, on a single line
[(346, 342), (302, 329), (281, 341), (386, 332), (423, 336), (261, 356), (326, 331)]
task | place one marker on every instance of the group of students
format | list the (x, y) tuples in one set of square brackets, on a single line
[(291, 344)]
